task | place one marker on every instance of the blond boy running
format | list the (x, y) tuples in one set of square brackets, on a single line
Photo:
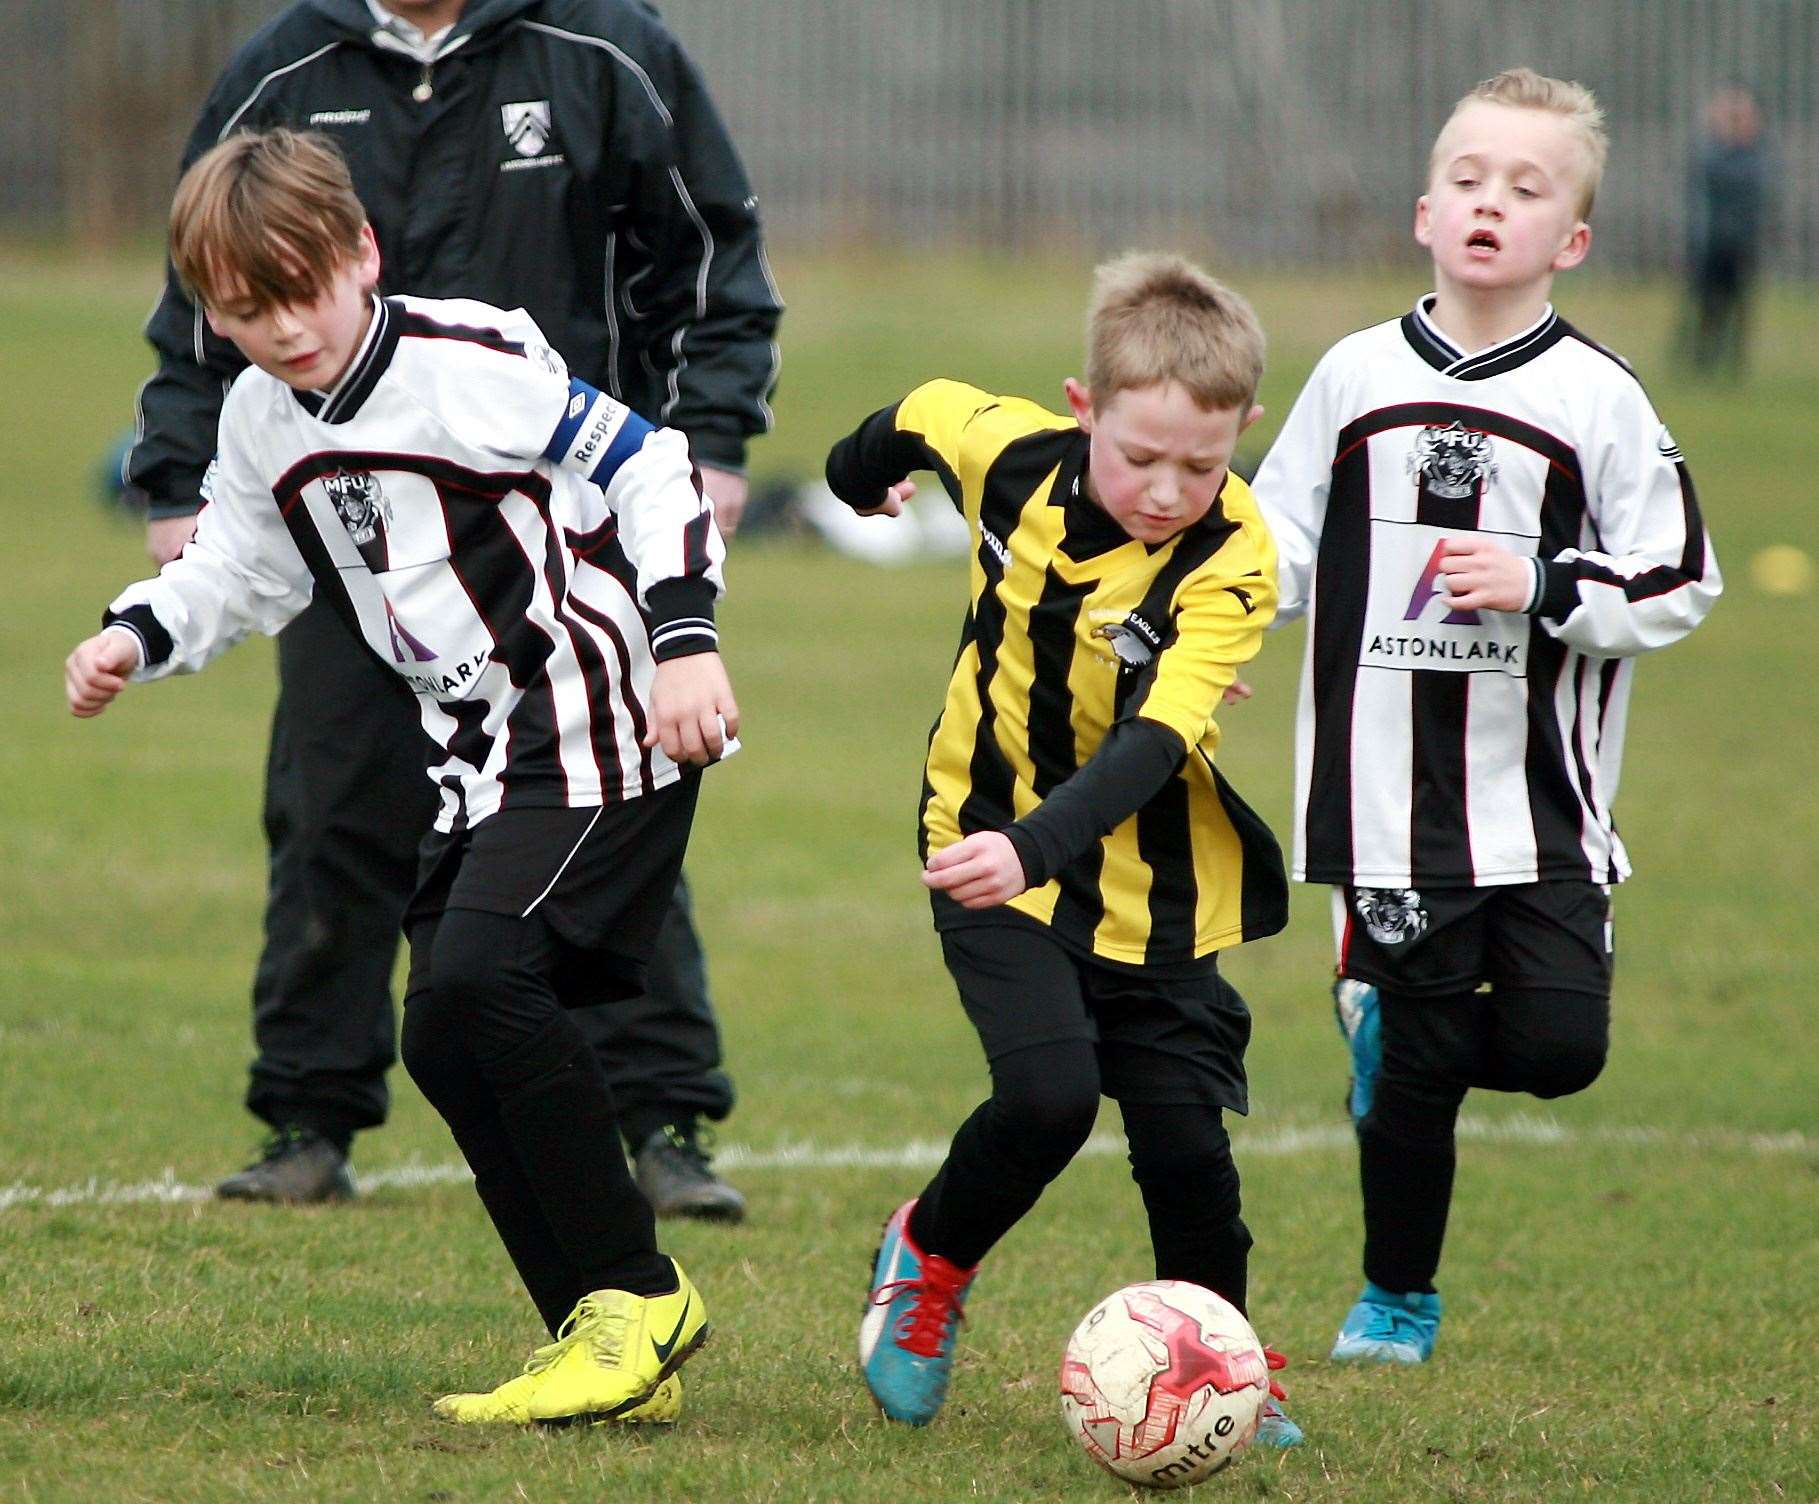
[(1484, 521)]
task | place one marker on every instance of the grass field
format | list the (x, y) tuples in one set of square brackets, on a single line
[(1632, 1280)]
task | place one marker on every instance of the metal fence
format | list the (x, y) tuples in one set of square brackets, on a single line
[(1286, 131)]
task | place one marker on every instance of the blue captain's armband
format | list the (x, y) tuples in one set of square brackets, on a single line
[(597, 434)]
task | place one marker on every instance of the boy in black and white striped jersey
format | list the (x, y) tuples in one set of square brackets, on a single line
[(537, 563), (1484, 521)]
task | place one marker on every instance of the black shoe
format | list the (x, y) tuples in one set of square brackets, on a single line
[(296, 1166), (673, 1171)]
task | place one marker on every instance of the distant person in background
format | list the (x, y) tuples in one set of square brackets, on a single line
[(1730, 181), (562, 155)]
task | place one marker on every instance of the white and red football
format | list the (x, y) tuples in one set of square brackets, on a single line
[(1163, 1383)]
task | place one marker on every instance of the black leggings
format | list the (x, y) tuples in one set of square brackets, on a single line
[(489, 1045), (1044, 1101), (1545, 1042)]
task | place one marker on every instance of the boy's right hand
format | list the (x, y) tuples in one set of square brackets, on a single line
[(892, 505), (98, 670)]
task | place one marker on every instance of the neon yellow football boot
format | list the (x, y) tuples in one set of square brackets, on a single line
[(610, 1358), (506, 1405)]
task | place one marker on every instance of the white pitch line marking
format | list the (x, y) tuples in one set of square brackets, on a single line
[(926, 1153)]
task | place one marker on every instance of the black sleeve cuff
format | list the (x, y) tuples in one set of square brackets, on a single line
[(717, 451), (153, 639), (138, 499), (1028, 853), (1559, 596), (873, 457), (682, 618)]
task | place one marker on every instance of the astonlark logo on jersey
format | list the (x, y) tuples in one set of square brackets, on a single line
[(526, 125), (453, 684), (1416, 629), (403, 641), (359, 503), (1391, 916), (340, 117), (1429, 589), (1452, 460), (1134, 642)]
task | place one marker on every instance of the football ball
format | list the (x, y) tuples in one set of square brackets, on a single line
[(1163, 1383)]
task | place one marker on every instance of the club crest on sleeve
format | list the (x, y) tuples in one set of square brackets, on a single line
[(1391, 916), (526, 125), (359, 503), (1452, 460)]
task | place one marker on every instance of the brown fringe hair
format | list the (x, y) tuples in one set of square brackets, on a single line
[(266, 216)]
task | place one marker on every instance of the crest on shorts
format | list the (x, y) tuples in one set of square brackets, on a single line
[(526, 125), (359, 503), (1391, 915), (1452, 460), (1131, 638)]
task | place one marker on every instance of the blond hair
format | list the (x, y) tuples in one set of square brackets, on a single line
[(1157, 318), (1525, 89), (268, 216)]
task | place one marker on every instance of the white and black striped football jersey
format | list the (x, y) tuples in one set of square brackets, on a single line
[(1446, 748), (519, 547)]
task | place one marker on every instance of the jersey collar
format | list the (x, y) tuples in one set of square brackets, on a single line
[(1425, 338), (346, 397)]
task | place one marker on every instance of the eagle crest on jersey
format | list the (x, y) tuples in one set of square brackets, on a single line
[(1391, 915), (1131, 638), (359, 503), (1452, 459)]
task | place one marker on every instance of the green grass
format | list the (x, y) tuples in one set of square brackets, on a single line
[(1631, 1302)]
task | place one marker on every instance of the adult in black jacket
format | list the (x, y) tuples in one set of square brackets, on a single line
[(558, 155)]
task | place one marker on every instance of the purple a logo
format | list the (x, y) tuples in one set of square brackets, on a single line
[(1427, 589), (402, 639)]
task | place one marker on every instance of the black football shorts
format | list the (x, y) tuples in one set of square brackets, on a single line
[(1425, 943), (603, 879), (1171, 1038)]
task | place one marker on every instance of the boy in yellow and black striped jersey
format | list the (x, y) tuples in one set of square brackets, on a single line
[(1085, 858)]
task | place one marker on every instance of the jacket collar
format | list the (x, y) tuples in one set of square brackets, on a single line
[(1425, 338), (477, 17)]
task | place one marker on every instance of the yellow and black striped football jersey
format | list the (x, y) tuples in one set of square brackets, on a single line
[(1073, 626)]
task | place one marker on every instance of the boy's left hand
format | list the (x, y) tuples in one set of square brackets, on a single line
[(693, 713), (979, 872), (1480, 574)]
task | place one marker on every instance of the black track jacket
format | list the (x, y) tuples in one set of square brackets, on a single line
[(558, 155)]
